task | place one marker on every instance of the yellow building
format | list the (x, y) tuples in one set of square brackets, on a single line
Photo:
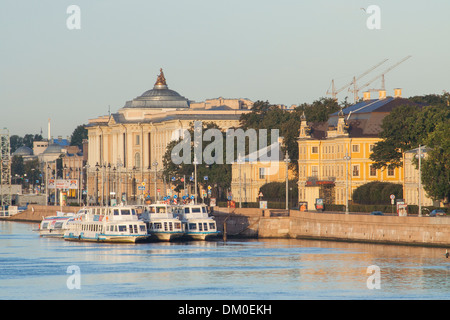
[(250, 173), (126, 148), (411, 184), (334, 155)]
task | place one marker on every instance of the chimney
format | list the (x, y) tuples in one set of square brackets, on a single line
[(382, 94), (397, 93), (366, 96)]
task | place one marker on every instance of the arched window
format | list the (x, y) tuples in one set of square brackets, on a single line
[(137, 160)]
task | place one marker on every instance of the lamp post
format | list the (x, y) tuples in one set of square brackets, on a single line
[(346, 158), (287, 160), (419, 191), (97, 169), (155, 164), (195, 183), (240, 180)]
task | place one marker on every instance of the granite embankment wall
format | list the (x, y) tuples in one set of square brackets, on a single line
[(257, 223), (34, 213), (422, 231)]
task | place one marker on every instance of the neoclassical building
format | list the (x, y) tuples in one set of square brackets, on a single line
[(126, 148)]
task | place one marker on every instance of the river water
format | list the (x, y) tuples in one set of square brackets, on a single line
[(40, 268)]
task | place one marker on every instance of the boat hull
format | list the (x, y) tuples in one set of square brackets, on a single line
[(166, 236), (105, 238), (202, 236)]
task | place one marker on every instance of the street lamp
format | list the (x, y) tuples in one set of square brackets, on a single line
[(420, 156), (287, 160), (155, 164), (195, 183), (346, 158)]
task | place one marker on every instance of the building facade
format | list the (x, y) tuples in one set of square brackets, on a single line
[(334, 155), (126, 148)]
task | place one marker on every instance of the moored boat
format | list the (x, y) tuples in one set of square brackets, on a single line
[(107, 224), (55, 226), (161, 222), (197, 224)]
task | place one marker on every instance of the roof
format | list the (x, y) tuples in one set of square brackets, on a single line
[(268, 154), (23, 151), (159, 97)]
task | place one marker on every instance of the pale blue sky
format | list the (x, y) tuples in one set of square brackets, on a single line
[(282, 51)]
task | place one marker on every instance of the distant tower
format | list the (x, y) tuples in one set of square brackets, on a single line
[(5, 169)]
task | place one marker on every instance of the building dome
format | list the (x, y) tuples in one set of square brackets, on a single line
[(159, 97), (23, 151), (53, 148)]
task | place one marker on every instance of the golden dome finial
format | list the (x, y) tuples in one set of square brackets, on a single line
[(161, 80)]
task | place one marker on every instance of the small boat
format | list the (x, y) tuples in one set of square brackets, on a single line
[(197, 224), (55, 226), (161, 222), (107, 224)]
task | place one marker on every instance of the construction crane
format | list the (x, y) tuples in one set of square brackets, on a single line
[(334, 92), (356, 89)]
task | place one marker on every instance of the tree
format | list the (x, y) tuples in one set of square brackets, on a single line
[(436, 166), (377, 192), (78, 135), (405, 128), (219, 175)]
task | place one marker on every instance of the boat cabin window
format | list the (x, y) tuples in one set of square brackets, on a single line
[(196, 210), (45, 225), (58, 225), (122, 228), (200, 227), (157, 225), (212, 226), (125, 212), (116, 212), (192, 226), (204, 209), (186, 210)]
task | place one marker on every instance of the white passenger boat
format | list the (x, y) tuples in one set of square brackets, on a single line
[(107, 224), (161, 222), (197, 224), (55, 226)]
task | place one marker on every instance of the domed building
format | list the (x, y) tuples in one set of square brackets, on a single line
[(25, 152), (124, 147)]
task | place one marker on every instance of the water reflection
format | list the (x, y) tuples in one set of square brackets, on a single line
[(34, 267)]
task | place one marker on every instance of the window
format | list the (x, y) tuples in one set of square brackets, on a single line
[(391, 172), (355, 147), (262, 173), (314, 149), (157, 225), (355, 170), (212, 226), (142, 228), (138, 140), (130, 228), (314, 171), (122, 228), (192, 226), (371, 147), (125, 212), (373, 171), (137, 160)]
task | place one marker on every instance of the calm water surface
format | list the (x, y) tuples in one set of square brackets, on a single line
[(36, 268)]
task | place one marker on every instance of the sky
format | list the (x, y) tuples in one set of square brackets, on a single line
[(284, 51)]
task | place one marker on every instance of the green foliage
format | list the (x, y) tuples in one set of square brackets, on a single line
[(436, 166), (78, 135), (377, 192), (16, 141), (219, 175), (408, 126), (276, 191)]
